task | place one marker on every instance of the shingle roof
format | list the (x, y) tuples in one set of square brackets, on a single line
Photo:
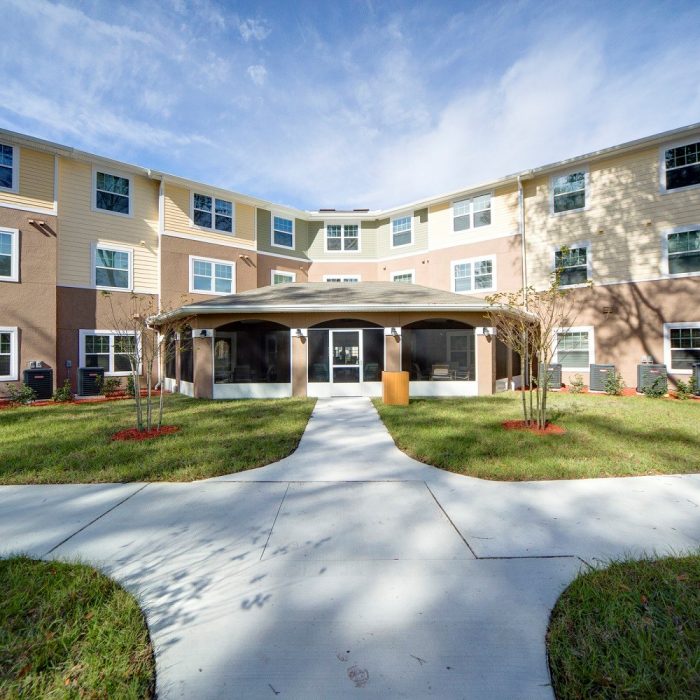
[(297, 297)]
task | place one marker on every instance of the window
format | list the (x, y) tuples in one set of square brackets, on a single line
[(8, 168), (112, 193), (401, 231), (209, 212), (683, 252), (341, 278), (572, 265), (471, 213), (342, 237), (681, 346), (211, 276), (112, 268), (282, 232), (569, 192), (279, 277), (9, 255), (110, 350), (474, 275), (9, 360), (403, 276), (574, 349), (681, 166)]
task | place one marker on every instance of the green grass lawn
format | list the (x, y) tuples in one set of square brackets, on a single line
[(71, 442), (606, 436), (67, 631), (631, 630)]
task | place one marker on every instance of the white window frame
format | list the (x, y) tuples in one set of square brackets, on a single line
[(667, 344), (342, 225), (465, 261), (15, 170), (286, 273), (112, 335), (589, 263), (396, 274), (119, 249), (13, 376), (213, 261), (213, 228), (272, 230), (665, 270), (586, 190), (14, 255), (591, 346), (344, 279), (405, 215), (470, 198), (114, 173), (662, 165)]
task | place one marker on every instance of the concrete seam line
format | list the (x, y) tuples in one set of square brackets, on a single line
[(116, 505), (450, 521), (533, 556), (269, 534)]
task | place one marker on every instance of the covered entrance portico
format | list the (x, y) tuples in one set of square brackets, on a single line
[(328, 339)]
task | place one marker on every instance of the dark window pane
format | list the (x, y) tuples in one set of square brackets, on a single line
[(573, 275), (351, 244), (373, 354), (284, 239), (122, 363), (334, 244), (4, 365), (186, 355), (684, 358), (439, 354), (171, 357), (112, 202), (683, 177), (5, 176), (461, 223), (679, 264), (97, 361), (224, 223), (346, 375), (5, 265), (202, 218), (318, 356), (112, 278), (482, 218), (569, 201), (402, 238)]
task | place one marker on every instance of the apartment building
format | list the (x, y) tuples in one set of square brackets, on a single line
[(289, 302)]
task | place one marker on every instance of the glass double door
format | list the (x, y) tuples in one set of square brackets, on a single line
[(345, 356)]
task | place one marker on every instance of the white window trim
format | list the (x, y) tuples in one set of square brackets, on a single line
[(279, 215), (14, 269), (667, 344), (344, 278), (13, 376), (662, 165), (665, 271), (15, 169), (391, 230), (213, 261), (586, 185), (212, 228), (404, 272), (464, 261), (589, 262), (116, 173), (344, 223), (471, 197), (120, 249), (82, 332), (287, 273), (591, 346)]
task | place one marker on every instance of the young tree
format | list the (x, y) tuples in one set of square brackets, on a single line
[(529, 322), (145, 348)]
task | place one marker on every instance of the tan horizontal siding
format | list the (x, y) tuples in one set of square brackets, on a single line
[(80, 227), (625, 218), (36, 175)]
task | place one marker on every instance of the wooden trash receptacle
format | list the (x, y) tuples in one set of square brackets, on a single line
[(395, 388)]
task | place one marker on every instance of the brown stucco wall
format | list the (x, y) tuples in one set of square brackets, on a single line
[(30, 304), (203, 368), (299, 366), (88, 309)]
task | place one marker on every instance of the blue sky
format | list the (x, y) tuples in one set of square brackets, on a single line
[(347, 104)]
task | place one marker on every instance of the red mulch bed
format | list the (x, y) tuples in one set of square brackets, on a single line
[(117, 396), (134, 434), (549, 429)]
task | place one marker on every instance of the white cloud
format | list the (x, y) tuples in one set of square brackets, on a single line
[(253, 29), (257, 73)]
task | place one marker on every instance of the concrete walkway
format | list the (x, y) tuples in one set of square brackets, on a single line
[(348, 568)]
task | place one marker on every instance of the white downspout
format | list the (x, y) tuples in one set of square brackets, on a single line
[(521, 227)]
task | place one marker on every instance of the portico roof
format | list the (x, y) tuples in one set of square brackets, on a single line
[(304, 297)]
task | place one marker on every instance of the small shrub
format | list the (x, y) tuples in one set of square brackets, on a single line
[(63, 393), (130, 387), (656, 389), (614, 384), (576, 385), (684, 390), (20, 394), (110, 386)]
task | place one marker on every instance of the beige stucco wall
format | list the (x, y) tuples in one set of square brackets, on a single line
[(36, 178), (81, 227)]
